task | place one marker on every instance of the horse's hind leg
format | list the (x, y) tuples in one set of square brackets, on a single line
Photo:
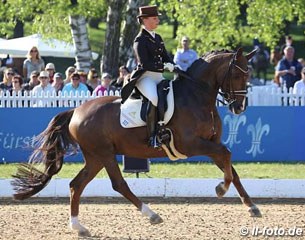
[(77, 185), (120, 185)]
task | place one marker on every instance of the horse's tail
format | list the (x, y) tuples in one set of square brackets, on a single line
[(47, 158)]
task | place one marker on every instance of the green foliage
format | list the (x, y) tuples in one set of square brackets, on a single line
[(215, 24), (211, 24), (49, 18)]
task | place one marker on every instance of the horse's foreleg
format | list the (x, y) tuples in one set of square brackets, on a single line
[(245, 198), (77, 186), (223, 161), (220, 155), (120, 185)]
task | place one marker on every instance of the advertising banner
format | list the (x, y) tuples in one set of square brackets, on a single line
[(260, 134)]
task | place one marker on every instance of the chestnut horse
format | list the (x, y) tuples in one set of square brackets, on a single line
[(95, 127)]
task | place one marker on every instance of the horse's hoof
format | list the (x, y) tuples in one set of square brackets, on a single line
[(254, 212), (155, 219), (84, 233), (220, 190)]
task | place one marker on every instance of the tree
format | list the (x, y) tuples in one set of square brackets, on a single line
[(218, 24), (130, 30), (110, 63), (211, 24), (56, 19), (83, 55)]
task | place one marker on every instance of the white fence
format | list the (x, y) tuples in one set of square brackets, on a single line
[(62, 99), (257, 96), (274, 96)]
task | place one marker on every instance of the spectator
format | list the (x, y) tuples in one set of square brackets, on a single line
[(43, 89), (32, 62), (68, 73), (288, 69), (93, 79), (50, 67), (75, 86), (131, 64), (33, 81), (275, 56), (185, 56), (288, 43), (7, 80), (17, 85), (83, 79), (58, 82), (299, 86), (44, 86), (7, 62), (123, 72), (105, 86), (260, 62)]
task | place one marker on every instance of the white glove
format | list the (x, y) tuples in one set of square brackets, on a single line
[(169, 66)]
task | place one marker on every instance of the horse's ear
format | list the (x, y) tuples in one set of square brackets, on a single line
[(251, 54), (239, 53)]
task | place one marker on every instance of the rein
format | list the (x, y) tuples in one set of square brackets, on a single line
[(185, 75)]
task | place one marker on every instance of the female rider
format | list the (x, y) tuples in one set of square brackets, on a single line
[(151, 57)]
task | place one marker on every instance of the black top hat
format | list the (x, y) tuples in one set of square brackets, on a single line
[(148, 11)]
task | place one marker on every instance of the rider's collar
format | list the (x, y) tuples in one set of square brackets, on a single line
[(152, 33)]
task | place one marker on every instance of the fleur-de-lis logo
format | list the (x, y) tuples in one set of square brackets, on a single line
[(257, 133), (234, 122)]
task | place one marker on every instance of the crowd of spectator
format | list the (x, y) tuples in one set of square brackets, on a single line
[(38, 77), (287, 69)]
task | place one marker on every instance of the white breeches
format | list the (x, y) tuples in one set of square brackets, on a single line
[(147, 85)]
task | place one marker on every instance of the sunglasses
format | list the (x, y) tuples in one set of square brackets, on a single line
[(34, 51), (94, 76), (75, 79), (15, 81), (43, 77), (10, 73)]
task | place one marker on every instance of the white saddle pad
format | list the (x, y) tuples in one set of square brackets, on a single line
[(131, 109)]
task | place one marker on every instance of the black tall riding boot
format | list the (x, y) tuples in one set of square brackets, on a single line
[(151, 121)]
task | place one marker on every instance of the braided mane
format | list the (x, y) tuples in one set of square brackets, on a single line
[(215, 52)]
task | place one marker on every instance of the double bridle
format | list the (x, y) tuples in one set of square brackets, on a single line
[(230, 95)]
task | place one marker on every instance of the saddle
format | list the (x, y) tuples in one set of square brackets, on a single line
[(133, 114), (133, 111)]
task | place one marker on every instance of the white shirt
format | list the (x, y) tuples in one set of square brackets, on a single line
[(152, 33), (184, 58), (42, 91), (299, 86)]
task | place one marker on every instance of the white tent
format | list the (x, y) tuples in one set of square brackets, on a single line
[(18, 47), (2, 55)]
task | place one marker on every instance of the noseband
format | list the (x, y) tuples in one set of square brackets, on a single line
[(230, 95)]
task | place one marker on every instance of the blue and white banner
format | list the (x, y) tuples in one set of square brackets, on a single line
[(264, 134)]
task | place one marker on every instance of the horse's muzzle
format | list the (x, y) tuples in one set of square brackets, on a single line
[(237, 107)]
